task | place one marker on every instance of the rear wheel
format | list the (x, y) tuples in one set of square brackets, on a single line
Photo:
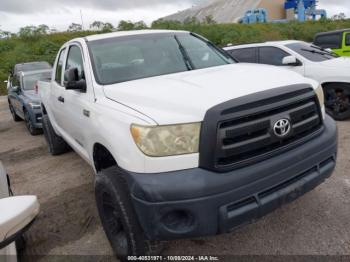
[(118, 217), (29, 124), (337, 100), (15, 117), (57, 145)]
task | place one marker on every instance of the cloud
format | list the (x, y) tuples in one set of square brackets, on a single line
[(60, 13), (32, 6)]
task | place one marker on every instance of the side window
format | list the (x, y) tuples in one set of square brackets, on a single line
[(271, 55), (329, 41), (75, 60), (59, 67), (15, 81), (245, 55), (347, 39)]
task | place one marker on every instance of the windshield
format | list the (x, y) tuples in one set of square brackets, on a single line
[(312, 53), (29, 81), (124, 59)]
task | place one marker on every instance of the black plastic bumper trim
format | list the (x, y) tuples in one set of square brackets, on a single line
[(220, 202)]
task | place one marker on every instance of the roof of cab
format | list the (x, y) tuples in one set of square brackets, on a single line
[(130, 33), (28, 73), (334, 32), (277, 43)]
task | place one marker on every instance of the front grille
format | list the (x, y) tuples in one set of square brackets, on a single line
[(243, 128)]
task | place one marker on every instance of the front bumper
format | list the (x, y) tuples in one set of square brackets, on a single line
[(198, 202), (36, 117)]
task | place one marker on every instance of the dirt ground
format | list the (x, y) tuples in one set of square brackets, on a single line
[(68, 224)]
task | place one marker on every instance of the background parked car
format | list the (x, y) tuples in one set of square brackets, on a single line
[(338, 41), (24, 101), (331, 71), (31, 66), (16, 216)]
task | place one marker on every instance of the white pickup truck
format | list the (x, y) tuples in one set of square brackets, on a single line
[(184, 141)]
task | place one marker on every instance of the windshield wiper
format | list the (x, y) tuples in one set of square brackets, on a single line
[(185, 56), (324, 50), (315, 51)]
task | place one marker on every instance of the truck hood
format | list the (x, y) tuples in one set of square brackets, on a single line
[(186, 97), (339, 62)]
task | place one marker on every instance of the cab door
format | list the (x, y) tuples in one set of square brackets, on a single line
[(78, 104), (346, 44), (57, 117)]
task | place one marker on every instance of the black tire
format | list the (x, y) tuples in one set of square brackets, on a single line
[(337, 100), (118, 217), (15, 117), (57, 145), (29, 124)]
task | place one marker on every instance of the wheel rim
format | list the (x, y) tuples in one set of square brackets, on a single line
[(337, 100), (114, 225)]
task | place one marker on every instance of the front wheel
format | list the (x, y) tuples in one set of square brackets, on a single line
[(15, 117), (337, 100), (118, 217)]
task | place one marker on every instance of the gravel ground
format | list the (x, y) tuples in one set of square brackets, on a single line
[(68, 224)]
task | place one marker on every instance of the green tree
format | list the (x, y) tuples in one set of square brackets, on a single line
[(42, 29), (5, 34), (126, 26), (107, 27), (97, 25), (75, 27), (140, 25)]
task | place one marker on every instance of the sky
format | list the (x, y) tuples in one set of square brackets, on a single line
[(59, 14)]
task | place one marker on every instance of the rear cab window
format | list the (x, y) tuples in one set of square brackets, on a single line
[(244, 55), (332, 41)]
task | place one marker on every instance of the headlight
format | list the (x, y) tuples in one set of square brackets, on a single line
[(320, 95), (34, 105), (158, 141)]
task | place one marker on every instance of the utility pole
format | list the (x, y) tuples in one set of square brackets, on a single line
[(82, 22)]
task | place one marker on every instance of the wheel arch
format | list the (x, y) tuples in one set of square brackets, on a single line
[(102, 157)]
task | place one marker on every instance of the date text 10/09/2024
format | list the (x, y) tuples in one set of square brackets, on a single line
[(173, 258)]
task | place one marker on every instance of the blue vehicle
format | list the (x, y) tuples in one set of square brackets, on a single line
[(23, 98)]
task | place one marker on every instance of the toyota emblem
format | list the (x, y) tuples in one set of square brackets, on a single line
[(282, 127)]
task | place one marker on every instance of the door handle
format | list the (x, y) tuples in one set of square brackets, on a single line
[(61, 99)]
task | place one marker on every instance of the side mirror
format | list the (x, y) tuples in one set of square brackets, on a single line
[(16, 216), (6, 81), (291, 61), (72, 81)]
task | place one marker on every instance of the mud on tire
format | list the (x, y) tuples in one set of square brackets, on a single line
[(56, 144), (119, 218)]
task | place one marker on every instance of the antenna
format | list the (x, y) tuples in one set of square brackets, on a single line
[(82, 22)]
